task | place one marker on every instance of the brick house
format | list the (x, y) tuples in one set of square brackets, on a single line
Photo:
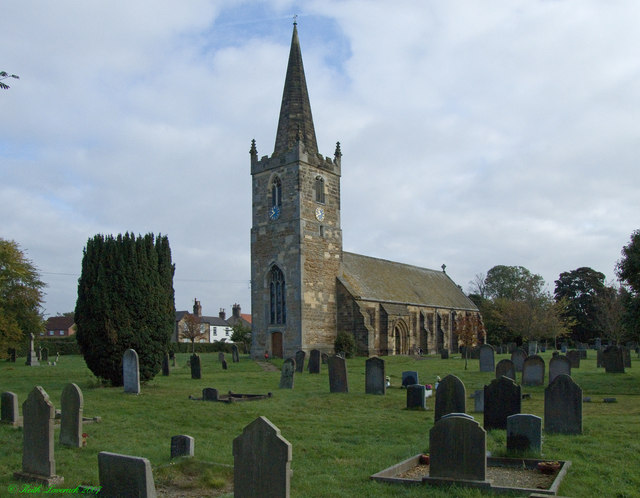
[(59, 326)]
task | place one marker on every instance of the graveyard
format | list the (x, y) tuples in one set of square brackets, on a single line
[(338, 439)]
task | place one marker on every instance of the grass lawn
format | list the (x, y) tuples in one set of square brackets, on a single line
[(338, 440)]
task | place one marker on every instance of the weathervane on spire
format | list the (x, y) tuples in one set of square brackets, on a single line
[(295, 19)]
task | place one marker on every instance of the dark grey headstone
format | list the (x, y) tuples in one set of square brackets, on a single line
[(563, 406), (220, 356), (518, 357), (563, 348), (131, 372), (209, 394), (10, 413), (165, 365), (235, 354), (224, 365), (559, 365), (613, 359), (600, 358), (194, 361), (487, 361), (124, 475), (502, 398), (45, 354), (72, 403), (524, 433), (300, 356), (409, 378), (626, 357), (533, 371), (444, 354), (450, 397), (314, 361), (506, 368), (458, 449), (416, 398), (338, 382), (574, 358), (182, 446), (533, 348), (375, 382), (478, 401), (12, 355), (325, 358), (262, 461), (288, 370)]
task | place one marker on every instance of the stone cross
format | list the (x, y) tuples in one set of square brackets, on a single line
[(124, 475), (131, 372), (32, 359), (72, 403)]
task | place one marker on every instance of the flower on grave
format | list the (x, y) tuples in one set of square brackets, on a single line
[(84, 438), (428, 387)]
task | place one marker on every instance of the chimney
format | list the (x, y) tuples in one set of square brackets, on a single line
[(236, 311), (222, 314), (197, 309)]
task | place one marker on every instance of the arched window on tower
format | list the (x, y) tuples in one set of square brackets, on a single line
[(319, 189), (276, 193), (278, 308)]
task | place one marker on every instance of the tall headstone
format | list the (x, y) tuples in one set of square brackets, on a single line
[(600, 358), (72, 403), (165, 365), (574, 358), (533, 371), (131, 372), (288, 370), (124, 475), (563, 406), (224, 365), (182, 446), (375, 382), (524, 433), (38, 462), (235, 354), (502, 397), (533, 348), (450, 397), (300, 356), (444, 354), (478, 401), (458, 448), (506, 368), (487, 361), (416, 399), (45, 354), (221, 356), (32, 357), (559, 365), (338, 381), (626, 357), (314, 361), (409, 378), (10, 414), (518, 357), (613, 359), (262, 461), (196, 372)]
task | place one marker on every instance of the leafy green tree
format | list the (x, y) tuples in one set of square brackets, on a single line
[(345, 343), (125, 300), (20, 296), (582, 289), (628, 271), (511, 282), (241, 335)]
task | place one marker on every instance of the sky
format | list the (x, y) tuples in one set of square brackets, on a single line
[(473, 134)]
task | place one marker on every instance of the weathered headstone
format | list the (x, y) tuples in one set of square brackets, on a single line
[(533, 371), (300, 356), (12, 355), (32, 358), (416, 398), (324, 357), (518, 357), (314, 361), (288, 370), (72, 403), (235, 354), (444, 354), (450, 397), (524, 433), (224, 365), (478, 401), (182, 446), (196, 372), (221, 356), (563, 348), (574, 358), (487, 361), (209, 394), (131, 372), (626, 357), (38, 462), (375, 382), (600, 358), (10, 414), (165, 365), (563, 406), (559, 365), (124, 475), (262, 461), (502, 398), (45, 354), (409, 378), (338, 381), (506, 368), (458, 448), (533, 348), (613, 359)]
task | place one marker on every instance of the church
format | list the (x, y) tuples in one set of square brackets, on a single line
[(304, 287)]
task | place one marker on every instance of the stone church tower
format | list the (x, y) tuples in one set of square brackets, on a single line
[(296, 239)]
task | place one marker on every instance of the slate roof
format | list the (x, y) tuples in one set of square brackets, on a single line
[(373, 279)]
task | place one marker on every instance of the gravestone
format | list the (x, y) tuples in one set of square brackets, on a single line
[(574, 358), (165, 365), (220, 356), (563, 348), (196, 372), (450, 397), (10, 414), (300, 355), (182, 446), (409, 378), (375, 382), (458, 448), (286, 377), (533, 371), (131, 372), (518, 357), (502, 398), (235, 354), (45, 354), (416, 397), (487, 361), (262, 461), (338, 382), (314, 361), (532, 348), (524, 433), (12, 355), (613, 359), (124, 475), (478, 401), (444, 354), (38, 462), (583, 352), (506, 368), (209, 394), (32, 358), (72, 403), (511, 347), (626, 357), (559, 365), (598, 343), (563, 406), (325, 358), (224, 365)]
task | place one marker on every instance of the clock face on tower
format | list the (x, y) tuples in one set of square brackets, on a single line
[(319, 214), (274, 212)]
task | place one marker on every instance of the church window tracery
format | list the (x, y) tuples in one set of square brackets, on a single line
[(278, 309)]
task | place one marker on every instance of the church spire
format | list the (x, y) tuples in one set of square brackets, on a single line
[(296, 122)]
